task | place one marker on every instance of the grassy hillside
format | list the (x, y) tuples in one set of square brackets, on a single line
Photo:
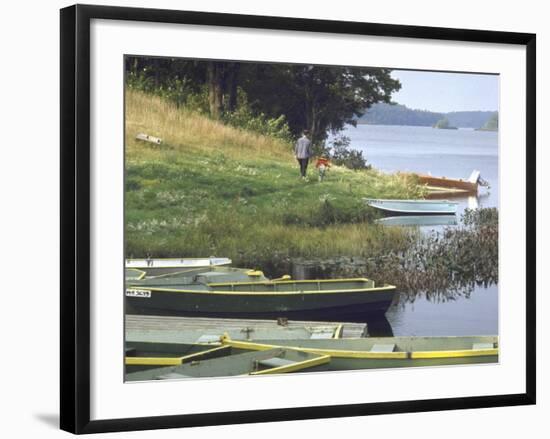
[(211, 189)]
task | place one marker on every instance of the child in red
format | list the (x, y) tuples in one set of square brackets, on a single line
[(322, 164)]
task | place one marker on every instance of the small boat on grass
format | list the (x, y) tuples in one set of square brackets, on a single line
[(414, 207), (269, 361), (388, 352), (215, 293), (158, 266)]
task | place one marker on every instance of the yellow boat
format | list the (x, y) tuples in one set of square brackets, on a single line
[(387, 352)]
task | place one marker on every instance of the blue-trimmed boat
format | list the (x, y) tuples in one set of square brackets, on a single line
[(414, 207)]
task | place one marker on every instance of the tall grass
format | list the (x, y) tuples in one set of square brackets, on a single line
[(211, 189), (184, 131)]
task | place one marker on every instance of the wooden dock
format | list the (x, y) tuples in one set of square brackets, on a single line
[(167, 327)]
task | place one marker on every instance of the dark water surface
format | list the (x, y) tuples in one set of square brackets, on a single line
[(453, 154)]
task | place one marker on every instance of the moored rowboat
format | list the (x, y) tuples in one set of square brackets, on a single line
[(147, 355), (414, 207), (270, 361), (387, 352), (214, 294), (168, 330), (158, 266), (469, 186)]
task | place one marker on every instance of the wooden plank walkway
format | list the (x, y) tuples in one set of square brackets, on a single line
[(143, 323)]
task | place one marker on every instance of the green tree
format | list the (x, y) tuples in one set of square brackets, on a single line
[(444, 124), (319, 98), (491, 124)]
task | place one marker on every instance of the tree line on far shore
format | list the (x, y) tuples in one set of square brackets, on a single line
[(387, 114)]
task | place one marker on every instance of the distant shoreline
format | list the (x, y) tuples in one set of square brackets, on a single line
[(396, 114), (423, 126)]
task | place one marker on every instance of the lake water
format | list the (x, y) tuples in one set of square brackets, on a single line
[(453, 154)]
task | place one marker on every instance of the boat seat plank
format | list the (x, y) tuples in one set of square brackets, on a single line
[(383, 348), (275, 362), (478, 346)]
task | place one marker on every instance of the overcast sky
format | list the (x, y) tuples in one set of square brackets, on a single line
[(444, 92)]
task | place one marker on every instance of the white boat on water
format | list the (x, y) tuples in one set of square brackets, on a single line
[(158, 266), (414, 207)]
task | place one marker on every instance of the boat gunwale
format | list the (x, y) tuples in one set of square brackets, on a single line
[(290, 281), (171, 361), (346, 353), (263, 293), (175, 259), (137, 261)]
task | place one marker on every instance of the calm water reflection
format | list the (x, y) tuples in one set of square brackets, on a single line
[(453, 154)]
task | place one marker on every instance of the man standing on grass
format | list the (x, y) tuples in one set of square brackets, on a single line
[(302, 151)]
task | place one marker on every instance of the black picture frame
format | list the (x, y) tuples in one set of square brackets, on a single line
[(75, 217)]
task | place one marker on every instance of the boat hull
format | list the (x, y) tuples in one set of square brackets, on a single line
[(415, 207), (308, 306), (360, 353), (449, 183)]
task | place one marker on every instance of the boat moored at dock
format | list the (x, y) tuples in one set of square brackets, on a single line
[(224, 293), (167, 330), (270, 361), (149, 355), (388, 352)]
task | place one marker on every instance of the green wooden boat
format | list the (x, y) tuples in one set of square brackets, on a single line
[(414, 207), (223, 293), (388, 352), (270, 361)]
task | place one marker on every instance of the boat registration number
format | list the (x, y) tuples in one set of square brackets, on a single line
[(133, 292)]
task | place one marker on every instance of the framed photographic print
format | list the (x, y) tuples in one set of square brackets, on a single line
[(304, 218)]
